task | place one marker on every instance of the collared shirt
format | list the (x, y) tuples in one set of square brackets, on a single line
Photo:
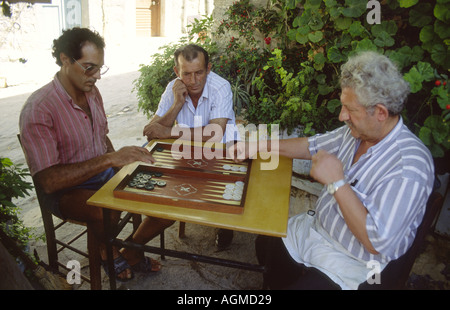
[(216, 101), (393, 180), (54, 130)]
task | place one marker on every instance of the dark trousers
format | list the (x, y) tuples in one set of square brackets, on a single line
[(284, 272)]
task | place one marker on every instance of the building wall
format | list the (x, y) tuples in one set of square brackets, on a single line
[(26, 38)]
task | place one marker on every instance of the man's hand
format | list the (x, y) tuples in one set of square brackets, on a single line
[(326, 168), (155, 130), (180, 91), (240, 151), (130, 154)]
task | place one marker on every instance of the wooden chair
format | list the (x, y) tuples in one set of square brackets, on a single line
[(396, 273)]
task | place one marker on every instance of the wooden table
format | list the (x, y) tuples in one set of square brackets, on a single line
[(265, 211)]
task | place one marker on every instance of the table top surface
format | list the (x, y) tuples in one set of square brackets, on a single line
[(266, 204)]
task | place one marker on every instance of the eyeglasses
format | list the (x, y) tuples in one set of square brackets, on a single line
[(91, 70)]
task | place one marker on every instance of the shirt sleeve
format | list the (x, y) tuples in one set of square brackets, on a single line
[(166, 100), (38, 139), (329, 141)]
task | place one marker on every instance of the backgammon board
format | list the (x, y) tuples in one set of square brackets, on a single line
[(189, 176)]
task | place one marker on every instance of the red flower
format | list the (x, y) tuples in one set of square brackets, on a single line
[(268, 40), (448, 107), (437, 83)]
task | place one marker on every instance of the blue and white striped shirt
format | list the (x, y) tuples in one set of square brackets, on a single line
[(393, 180), (216, 102)]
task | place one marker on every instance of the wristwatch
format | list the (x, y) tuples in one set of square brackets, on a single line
[(333, 187)]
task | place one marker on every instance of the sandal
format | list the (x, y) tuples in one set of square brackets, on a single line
[(120, 265), (147, 265)]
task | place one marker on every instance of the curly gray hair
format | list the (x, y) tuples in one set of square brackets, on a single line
[(375, 80)]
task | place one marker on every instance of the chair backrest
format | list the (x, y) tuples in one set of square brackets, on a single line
[(396, 273)]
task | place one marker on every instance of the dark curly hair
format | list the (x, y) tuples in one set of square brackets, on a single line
[(72, 40)]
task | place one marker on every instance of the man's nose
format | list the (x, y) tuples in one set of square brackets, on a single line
[(97, 75), (343, 115)]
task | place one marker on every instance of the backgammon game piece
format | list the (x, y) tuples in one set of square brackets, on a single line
[(183, 176)]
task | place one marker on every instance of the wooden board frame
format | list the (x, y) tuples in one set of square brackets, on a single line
[(191, 182)]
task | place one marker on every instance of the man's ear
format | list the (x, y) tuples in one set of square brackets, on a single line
[(65, 60), (382, 112), (208, 69), (175, 69)]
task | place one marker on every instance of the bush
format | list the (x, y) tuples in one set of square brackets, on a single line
[(283, 60), (13, 185)]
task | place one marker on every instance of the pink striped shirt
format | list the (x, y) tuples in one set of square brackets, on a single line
[(54, 130)]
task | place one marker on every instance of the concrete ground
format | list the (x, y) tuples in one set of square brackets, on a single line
[(126, 124)]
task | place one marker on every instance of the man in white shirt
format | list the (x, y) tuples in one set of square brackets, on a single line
[(198, 100)]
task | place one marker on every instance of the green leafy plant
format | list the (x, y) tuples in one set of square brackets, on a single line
[(316, 37), (13, 184), (283, 60)]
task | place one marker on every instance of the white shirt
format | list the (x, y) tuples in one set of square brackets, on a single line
[(216, 101)]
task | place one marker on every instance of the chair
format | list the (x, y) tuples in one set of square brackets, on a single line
[(55, 245), (396, 273)]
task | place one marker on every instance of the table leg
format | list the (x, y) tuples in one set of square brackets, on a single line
[(108, 244)]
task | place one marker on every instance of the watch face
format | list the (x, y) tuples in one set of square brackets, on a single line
[(330, 188)]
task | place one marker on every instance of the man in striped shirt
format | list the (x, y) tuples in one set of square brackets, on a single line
[(63, 130), (378, 176)]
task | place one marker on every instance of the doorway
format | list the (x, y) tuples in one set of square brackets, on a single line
[(148, 18)]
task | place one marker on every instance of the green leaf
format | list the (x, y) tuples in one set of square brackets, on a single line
[(414, 78), (330, 3), (319, 58), (420, 16), (426, 34), (333, 104), (384, 39), (425, 135), (386, 26), (302, 39), (407, 3), (440, 55), (315, 22), (343, 23), (442, 12), (442, 29), (312, 4), (365, 45), (316, 36), (355, 8), (335, 56), (356, 29), (324, 89)]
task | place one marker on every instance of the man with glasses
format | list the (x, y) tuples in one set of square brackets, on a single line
[(64, 129)]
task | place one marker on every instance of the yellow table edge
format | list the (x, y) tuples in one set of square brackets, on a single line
[(265, 212)]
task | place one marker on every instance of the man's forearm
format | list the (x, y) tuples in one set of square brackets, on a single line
[(63, 176)]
